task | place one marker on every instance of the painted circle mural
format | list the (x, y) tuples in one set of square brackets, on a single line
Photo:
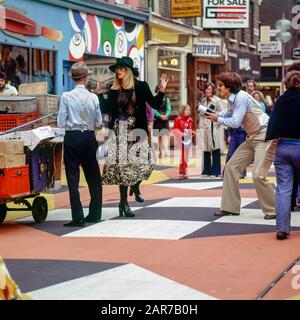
[(108, 33), (121, 45), (140, 37), (130, 29), (77, 46), (92, 33), (135, 56), (77, 20), (107, 48), (118, 24)]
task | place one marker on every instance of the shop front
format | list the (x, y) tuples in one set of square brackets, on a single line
[(271, 79), (167, 53), (207, 61), (39, 41), (245, 64)]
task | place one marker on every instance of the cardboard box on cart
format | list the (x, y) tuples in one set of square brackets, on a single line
[(12, 160), (15, 146), (12, 154)]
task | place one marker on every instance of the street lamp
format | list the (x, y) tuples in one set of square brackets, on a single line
[(284, 36)]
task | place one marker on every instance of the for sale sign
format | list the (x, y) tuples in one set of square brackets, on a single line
[(226, 14)]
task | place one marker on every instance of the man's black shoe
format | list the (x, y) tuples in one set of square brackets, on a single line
[(223, 213), (92, 220), (270, 216), (75, 224)]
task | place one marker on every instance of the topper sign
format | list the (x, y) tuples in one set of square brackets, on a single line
[(207, 47)]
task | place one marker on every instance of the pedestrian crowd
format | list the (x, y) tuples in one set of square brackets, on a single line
[(253, 126)]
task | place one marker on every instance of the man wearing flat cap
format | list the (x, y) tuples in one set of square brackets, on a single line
[(79, 113)]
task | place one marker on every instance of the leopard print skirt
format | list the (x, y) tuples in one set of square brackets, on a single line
[(129, 157)]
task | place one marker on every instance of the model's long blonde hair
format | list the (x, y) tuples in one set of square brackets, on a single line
[(126, 83)]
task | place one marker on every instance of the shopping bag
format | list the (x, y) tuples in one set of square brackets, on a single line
[(102, 152)]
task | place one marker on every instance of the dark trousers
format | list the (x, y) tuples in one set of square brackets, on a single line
[(236, 140), (80, 149), (212, 163)]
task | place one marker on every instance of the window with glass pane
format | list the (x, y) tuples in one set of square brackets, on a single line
[(26, 65), (169, 62)]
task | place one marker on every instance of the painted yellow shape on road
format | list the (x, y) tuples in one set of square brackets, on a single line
[(156, 177)]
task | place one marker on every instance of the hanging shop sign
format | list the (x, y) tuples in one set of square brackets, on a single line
[(207, 47), (186, 8), (225, 14)]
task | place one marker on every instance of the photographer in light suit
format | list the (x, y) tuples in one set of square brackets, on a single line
[(243, 110)]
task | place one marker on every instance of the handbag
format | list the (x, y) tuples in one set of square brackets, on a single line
[(102, 152)]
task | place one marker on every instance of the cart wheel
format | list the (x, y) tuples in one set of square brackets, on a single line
[(3, 211), (39, 209)]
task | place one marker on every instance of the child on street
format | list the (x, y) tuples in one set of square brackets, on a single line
[(184, 130)]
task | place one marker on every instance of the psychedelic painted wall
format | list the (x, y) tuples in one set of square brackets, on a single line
[(68, 33), (105, 37)]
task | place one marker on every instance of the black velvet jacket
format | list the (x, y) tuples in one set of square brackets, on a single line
[(143, 95), (285, 118)]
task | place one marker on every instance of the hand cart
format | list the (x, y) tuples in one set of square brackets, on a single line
[(39, 206)]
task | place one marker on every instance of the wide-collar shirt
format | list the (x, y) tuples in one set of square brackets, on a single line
[(244, 110), (9, 91), (79, 110)]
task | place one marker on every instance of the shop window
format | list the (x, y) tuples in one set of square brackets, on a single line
[(100, 71), (26, 65), (243, 35), (232, 34), (202, 78), (169, 63), (271, 74)]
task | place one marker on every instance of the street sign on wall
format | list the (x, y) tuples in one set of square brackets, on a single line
[(269, 48), (186, 8), (225, 14)]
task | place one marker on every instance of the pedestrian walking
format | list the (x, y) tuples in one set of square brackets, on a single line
[(184, 130), (213, 134), (284, 126), (161, 124), (250, 86), (129, 152), (150, 120), (243, 110), (295, 201), (79, 114)]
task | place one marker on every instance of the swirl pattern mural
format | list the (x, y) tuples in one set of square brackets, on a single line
[(105, 37)]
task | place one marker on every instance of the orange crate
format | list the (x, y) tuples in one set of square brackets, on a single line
[(9, 121), (14, 182)]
